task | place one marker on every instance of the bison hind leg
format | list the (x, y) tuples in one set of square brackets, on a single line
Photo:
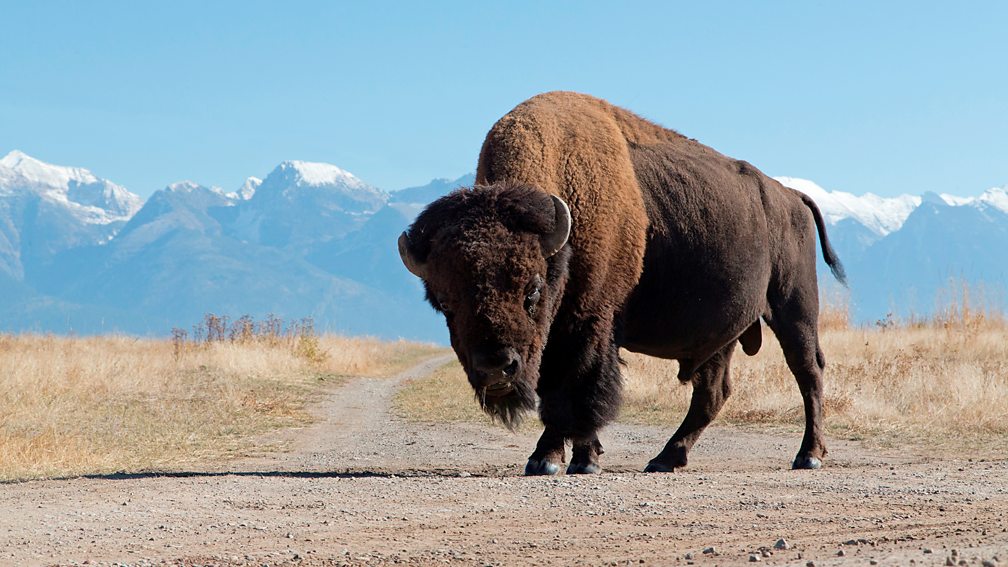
[(711, 388), (795, 325)]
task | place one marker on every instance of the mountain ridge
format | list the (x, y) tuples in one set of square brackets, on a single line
[(312, 239)]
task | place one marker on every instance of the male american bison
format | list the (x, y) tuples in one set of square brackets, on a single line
[(590, 229)]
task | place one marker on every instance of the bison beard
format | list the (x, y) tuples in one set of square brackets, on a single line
[(511, 408)]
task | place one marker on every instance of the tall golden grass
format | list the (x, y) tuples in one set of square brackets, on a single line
[(937, 381), (902, 384), (71, 406)]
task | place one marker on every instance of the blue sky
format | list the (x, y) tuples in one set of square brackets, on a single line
[(887, 97)]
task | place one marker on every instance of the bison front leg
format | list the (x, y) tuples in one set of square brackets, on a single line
[(711, 387), (579, 390), (585, 458), (549, 454)]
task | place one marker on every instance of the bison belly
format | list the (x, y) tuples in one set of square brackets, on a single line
[(704, 281)]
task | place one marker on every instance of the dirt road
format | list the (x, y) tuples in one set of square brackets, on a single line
[(363, 487)]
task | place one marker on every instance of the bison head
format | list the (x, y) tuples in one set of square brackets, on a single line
[(493, 261)]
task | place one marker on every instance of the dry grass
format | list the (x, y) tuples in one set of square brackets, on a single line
[(446, 396), (907, 384), (71, 406), (942, 382)]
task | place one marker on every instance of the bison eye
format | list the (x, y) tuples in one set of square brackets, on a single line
[(444, 307), (531, 301), (532, 295)]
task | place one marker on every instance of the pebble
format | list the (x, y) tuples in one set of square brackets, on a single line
[(753, 558), (949, 561), (988, 563), (810, 564), (782, 544), (710, 550), (841, 553), (688, 556)]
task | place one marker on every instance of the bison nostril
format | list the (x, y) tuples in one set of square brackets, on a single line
[(511, 369), (502, 364)]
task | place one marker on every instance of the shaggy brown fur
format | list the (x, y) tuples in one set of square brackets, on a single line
[(674, 251)]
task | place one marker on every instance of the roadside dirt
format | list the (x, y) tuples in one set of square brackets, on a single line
[(364, 487)]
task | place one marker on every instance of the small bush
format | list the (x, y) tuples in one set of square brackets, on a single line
[(298, 337)]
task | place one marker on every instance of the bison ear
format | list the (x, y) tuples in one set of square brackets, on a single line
[(412, 264), (552, 242)]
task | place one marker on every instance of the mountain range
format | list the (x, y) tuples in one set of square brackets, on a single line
[(79, 254)]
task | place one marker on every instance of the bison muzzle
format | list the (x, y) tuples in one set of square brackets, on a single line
[(591, 229)]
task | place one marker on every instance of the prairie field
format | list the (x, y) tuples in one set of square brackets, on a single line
[(71, 406), (941, 381), (372, 453)]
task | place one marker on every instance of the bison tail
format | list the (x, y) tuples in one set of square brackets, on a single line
[(832, 260)]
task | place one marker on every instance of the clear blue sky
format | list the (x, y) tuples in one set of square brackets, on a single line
[(886, 97)]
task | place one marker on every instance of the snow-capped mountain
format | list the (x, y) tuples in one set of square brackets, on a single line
[(996, 197), (902, 253), (248, 188), (79, 253), (90, 199), (881, 215), (301, 202), (192, 249), (46, 209)]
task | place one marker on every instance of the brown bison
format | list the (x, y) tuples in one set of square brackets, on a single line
[(591, 229)]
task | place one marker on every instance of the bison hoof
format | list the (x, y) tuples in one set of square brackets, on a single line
[(657, 466), (536, 467), (806, 462), (584, 468)]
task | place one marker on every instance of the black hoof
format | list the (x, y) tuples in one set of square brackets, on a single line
[(655, 466), (541, 468), (584, 468), (806, 462)]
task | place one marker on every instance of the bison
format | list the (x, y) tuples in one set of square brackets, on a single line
[(590, 229)]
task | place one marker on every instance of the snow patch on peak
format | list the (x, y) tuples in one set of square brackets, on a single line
[(996, 197), (88, 198), (248, 189), (187, 187), (184, 186), (28, 170), (13, 158), (881, 215), (318, 174)]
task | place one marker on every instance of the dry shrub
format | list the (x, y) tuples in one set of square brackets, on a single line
[(72, 406)]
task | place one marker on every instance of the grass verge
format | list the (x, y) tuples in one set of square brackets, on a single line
[(927, 385), (72, 406)]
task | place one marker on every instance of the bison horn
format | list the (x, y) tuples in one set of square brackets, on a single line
[(554, 241), (411, 263)]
